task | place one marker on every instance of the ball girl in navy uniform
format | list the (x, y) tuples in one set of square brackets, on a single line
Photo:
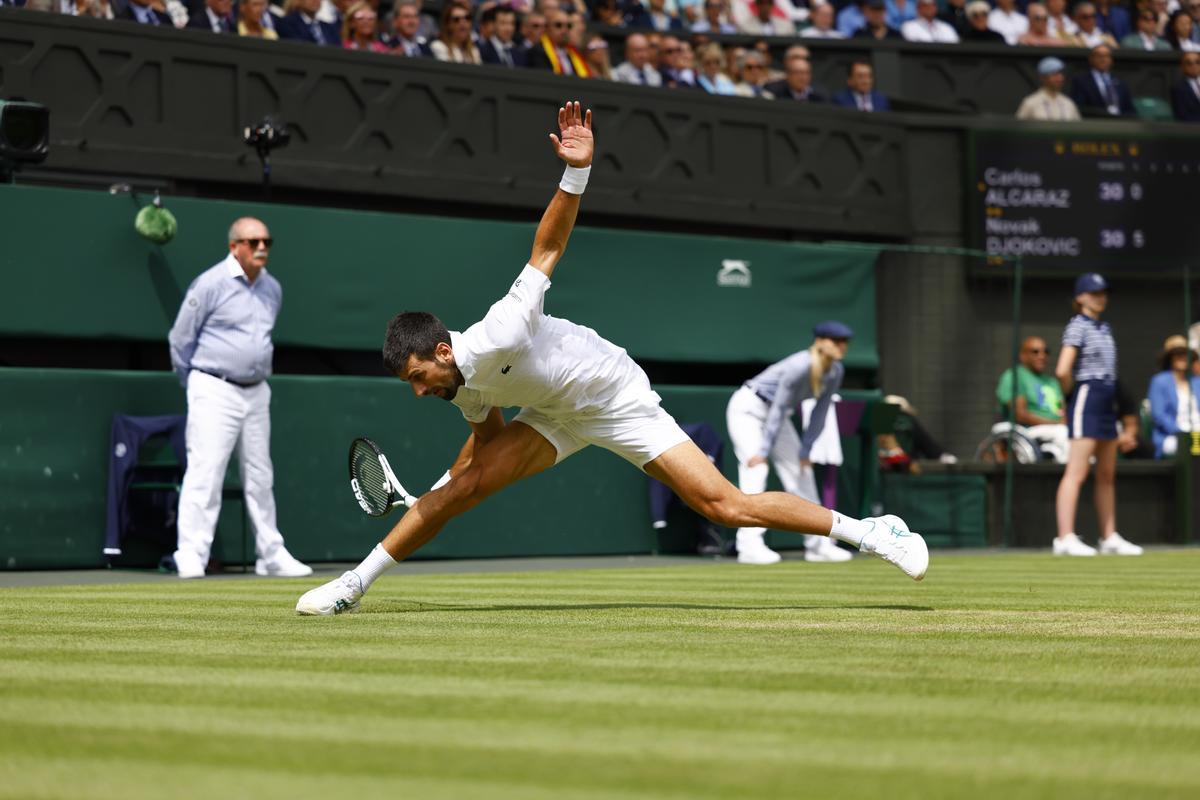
[(1087, 370)]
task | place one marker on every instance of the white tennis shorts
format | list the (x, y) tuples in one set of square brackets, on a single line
[(638, 431)]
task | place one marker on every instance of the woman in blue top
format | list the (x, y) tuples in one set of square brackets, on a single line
[(1087, 370), (759, 426), (1174, 398)]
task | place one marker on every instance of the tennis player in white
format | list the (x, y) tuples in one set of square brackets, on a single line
[(574, 389)]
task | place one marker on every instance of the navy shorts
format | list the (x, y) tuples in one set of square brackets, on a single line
[(1091, 411)]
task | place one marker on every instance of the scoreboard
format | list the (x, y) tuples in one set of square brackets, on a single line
[(1083, 202)]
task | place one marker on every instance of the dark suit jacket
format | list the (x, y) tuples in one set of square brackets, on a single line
[(1087, 95), (782, 92), (294, 28), (163, 18), (199, 21), (638, 16), (487, 52), (1184, 102), (845, 98), (865, 33)]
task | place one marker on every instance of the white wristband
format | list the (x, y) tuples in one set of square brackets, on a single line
[(442, 481), (574, 179)]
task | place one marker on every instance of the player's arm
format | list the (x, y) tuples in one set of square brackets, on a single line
[(1066, 363), (575, 146)]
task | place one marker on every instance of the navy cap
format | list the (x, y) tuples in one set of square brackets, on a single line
[(1090, 282), (832, 329)]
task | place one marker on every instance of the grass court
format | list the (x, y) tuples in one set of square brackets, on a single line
[(1005, 676)]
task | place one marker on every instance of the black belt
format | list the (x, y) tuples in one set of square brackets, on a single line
[(758, 394), (228, 380)]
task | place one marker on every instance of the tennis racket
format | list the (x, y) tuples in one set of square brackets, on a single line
[(371, 478)]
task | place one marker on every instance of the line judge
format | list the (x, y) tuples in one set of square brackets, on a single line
[(221, 349)]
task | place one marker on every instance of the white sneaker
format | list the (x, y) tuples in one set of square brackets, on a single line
[(757, 554), (1071, 545), (188, 564), (892, 541), (825, 551), (339, 596), (1118, 545), (282, 565)]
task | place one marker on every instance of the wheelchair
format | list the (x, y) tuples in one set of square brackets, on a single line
[(994, 449)]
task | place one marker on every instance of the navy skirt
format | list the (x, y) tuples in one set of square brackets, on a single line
[(1092, 410)]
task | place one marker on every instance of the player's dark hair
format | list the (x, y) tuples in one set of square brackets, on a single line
[(412, 332)]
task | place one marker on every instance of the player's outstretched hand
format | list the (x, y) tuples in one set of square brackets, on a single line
[(574, 144)]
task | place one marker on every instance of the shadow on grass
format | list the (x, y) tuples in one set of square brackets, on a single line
[(417, 607)]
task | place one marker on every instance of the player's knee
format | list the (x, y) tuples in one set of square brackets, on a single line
[(464, 491), (726, 509)]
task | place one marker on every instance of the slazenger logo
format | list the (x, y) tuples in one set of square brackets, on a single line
[(734, 272), (358, 495)]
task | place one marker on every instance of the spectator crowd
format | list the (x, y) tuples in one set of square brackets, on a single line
[(670, 41)]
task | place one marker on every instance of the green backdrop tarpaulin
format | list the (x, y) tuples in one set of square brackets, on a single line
[(54, 458), (74, 267)]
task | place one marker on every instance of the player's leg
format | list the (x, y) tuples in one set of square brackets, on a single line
[(694, 478), (517, 452), (258, 487), (744, 421), (214, 422)]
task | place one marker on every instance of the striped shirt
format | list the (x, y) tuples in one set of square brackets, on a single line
[(1097, 358), (785, 384)]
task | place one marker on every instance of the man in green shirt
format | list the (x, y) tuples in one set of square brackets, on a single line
[(1039, 403)]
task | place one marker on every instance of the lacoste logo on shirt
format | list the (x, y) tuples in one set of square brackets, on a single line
[(506, 369)]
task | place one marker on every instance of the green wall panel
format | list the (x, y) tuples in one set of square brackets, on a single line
[(54, 438), (345, 273)]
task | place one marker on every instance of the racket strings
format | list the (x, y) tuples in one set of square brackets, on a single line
[(372, 482)]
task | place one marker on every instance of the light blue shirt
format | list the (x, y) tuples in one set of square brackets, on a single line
[(224, 324), (785, 384)]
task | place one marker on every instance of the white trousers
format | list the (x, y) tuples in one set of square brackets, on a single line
[(222, 416), (744, 419)]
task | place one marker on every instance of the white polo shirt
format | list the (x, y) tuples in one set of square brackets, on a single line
[(519, 356)]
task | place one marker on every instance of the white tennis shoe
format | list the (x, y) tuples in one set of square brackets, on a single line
[(339, 596), (1072, 545), (751, 549), (891, 540), (282, 565), (1118, 545), (188, 564), (823, 550)]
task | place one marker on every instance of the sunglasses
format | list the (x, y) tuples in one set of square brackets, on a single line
[(560, 25), (254, 243), (1037, 351), (459, 18), (671, 51)]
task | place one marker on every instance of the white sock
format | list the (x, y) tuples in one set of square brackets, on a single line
[(848, 529), (375, 564)]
